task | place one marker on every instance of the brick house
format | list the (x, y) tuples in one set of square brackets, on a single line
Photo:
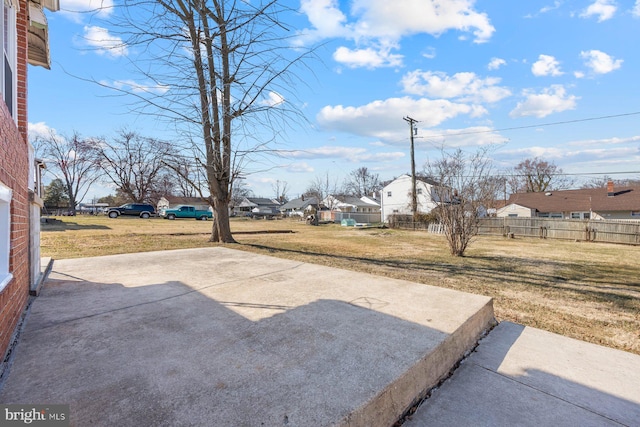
[(24, 41), (620, 203)]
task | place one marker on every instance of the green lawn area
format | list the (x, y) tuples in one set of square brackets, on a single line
[(582, 290)]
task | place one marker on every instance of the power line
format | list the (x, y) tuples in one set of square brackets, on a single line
[(538, 125)]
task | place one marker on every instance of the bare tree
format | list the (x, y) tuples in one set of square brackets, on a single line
[(602, 182), (362, 182), (133, 163), (537, 175), (220, 70), (165, 184), (72, 161), (280, 188), (188, 175), (321, 188), (239, 192), (465, 189), (597, 182)]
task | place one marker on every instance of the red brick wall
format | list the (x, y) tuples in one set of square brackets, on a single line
[(14, 173)]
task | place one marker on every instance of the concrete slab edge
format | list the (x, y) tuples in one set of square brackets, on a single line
[(5, 365), (9, 356), (47, 266), (398, 398)]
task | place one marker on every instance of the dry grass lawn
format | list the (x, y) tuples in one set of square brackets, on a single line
[(582, 290)]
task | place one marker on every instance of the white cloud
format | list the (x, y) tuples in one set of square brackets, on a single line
[(273, 99), (603, 9), (600, 62), (555, 6), (135, 87), (430, 52), (551, 100), (546, 65), (496, 63), (636, 9), (352, 154), (578, 74), (368, 58), (325, 17), (301, 167), (383, 119), (384, 19), (76, 10), (468, 137), (103, 42), (605, 142), (590, 153), (376, 26), (465, 87), (40, 130)]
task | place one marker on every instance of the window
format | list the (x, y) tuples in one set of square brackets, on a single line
[(419, 191), (388, 193), (5, 235), (8, 68), (549, 215), (580, 215), (513, 215)]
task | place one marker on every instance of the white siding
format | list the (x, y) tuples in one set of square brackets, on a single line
[(515, 210), (396, 197)]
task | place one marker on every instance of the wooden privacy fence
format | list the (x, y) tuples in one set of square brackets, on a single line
[(626, 232)]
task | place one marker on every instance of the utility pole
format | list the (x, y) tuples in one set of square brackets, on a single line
[(414, 196)]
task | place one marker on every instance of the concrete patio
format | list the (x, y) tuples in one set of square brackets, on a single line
[(216, 336)]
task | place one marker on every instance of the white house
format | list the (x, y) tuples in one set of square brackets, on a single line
[(362, 210), (256, 205), (396, 196)]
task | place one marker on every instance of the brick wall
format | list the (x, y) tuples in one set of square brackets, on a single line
[(14, 173)]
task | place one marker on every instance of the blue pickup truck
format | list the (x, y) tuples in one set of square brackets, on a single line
[(185, 211)]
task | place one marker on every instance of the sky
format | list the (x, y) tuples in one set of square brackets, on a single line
[(551, 79)]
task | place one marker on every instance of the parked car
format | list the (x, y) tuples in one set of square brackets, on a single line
[(134, 209), (185, 211)]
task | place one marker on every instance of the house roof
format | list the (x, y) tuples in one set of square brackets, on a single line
[(257, 201), (175, 200), (424, 179), (299, 203), (589, 199), (355, 201)]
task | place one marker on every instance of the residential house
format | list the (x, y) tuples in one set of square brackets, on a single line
[(590, 203), (362, 209), (256, 206), (168, 202), (299, 207), (24, 41), (396, 196)]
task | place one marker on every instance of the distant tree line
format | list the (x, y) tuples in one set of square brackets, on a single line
[(140, 169)]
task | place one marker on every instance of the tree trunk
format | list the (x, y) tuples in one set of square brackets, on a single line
[(221, 223), (215, 234)]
